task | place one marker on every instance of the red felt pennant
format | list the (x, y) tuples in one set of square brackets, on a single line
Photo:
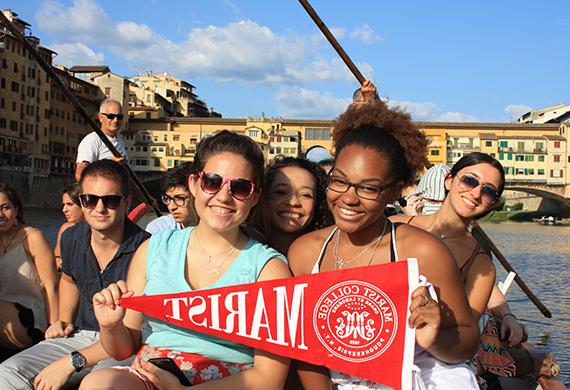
[(353, 320)]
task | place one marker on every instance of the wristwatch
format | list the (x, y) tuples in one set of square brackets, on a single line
[(77, 361)]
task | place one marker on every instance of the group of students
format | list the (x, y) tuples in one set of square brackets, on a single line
[(232, 222)]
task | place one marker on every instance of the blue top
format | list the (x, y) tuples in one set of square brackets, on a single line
[(79, 262), (160, 224), (165, 274)]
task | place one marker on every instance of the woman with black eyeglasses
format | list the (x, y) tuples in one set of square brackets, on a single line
[(226, 183), (378, 152)]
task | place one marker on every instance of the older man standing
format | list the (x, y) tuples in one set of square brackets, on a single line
[(91, 148)]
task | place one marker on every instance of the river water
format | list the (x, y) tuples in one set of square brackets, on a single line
[(540, 254)]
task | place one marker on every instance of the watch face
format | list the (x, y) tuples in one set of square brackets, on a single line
[(77, 360)]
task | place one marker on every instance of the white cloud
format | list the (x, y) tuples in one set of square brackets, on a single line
[(366, 35), (516, 110), (456, 117), (297, 102), (69, 54), (419, 111), (242, 50), (428, 111)]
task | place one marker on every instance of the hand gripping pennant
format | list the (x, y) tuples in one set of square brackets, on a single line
[(354, 320)]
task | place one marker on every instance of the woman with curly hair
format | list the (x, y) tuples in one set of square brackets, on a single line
[(378, 151), (295, 200)]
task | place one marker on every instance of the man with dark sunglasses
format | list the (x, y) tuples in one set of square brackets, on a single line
[(178, 199), (95, 253), (91, 148)]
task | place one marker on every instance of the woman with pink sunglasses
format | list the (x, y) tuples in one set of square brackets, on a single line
[(226, 184)]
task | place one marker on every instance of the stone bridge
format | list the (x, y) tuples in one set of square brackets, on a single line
[(555, 198)]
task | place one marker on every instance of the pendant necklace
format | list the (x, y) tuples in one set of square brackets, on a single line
[(340, 263), (217, 268), (6, 246)]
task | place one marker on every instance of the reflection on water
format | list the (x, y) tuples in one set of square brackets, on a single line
[(538, 253)]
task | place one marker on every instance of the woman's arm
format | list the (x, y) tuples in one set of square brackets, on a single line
[(120, 329), (302, 255), (455, 337), (479, 284), (41, 253), (57, 250), (510, 325)]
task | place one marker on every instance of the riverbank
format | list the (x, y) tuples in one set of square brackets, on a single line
[(519, 216)]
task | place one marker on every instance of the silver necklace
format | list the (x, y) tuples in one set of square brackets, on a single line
[(6, 246), (214, 268), (340, 263)]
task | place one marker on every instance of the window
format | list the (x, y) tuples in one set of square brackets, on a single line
[(501, 156), (556, 144), (435, 152), (15, 87), (520, 145), (541, 158), (165, 137), (317, 134), (519, 157), (107, 91), (509, 156), (2, 123), (540, 145), (488, 143), (157, 162), (253, 133), (556, 158), (541, 171), (3, 82), (14, 125), (176, 138), (504, 144)]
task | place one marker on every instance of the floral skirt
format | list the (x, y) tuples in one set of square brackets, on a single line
[(198, 369)]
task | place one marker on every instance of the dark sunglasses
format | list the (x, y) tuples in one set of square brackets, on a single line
[(113, 116), (489, 193), (212, 183), (109, 201)]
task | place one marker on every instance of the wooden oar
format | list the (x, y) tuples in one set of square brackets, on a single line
[(332, 40), (49, 70), (478, 233), (485, 241)]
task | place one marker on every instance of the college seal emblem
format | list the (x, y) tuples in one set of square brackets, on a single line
[(355, 321)]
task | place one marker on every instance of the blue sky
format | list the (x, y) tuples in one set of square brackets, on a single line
[(486, 61)]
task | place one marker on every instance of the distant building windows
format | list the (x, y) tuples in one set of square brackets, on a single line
[(253, 133), (317, 133), (556, 144), (488, 143), (541, 171), (107, 91), (541, 158), (520, 146), (434, 152), (540, 145), (504, 144), (556, 158)]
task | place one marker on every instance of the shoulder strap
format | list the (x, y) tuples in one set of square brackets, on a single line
[(393, 249), (410, 220), (464, 269), (322, 252)]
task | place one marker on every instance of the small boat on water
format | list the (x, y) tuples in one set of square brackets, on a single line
[(550, 220)]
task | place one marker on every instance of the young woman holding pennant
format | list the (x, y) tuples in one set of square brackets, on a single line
[(378, 151), (226, 183)]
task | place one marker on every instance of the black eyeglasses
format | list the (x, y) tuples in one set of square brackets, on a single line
[(178, 200), (489, 193), (90, 201), (364, 191), (212, 183), (113, 116)]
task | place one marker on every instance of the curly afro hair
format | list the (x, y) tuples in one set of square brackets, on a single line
[(389, 131)]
